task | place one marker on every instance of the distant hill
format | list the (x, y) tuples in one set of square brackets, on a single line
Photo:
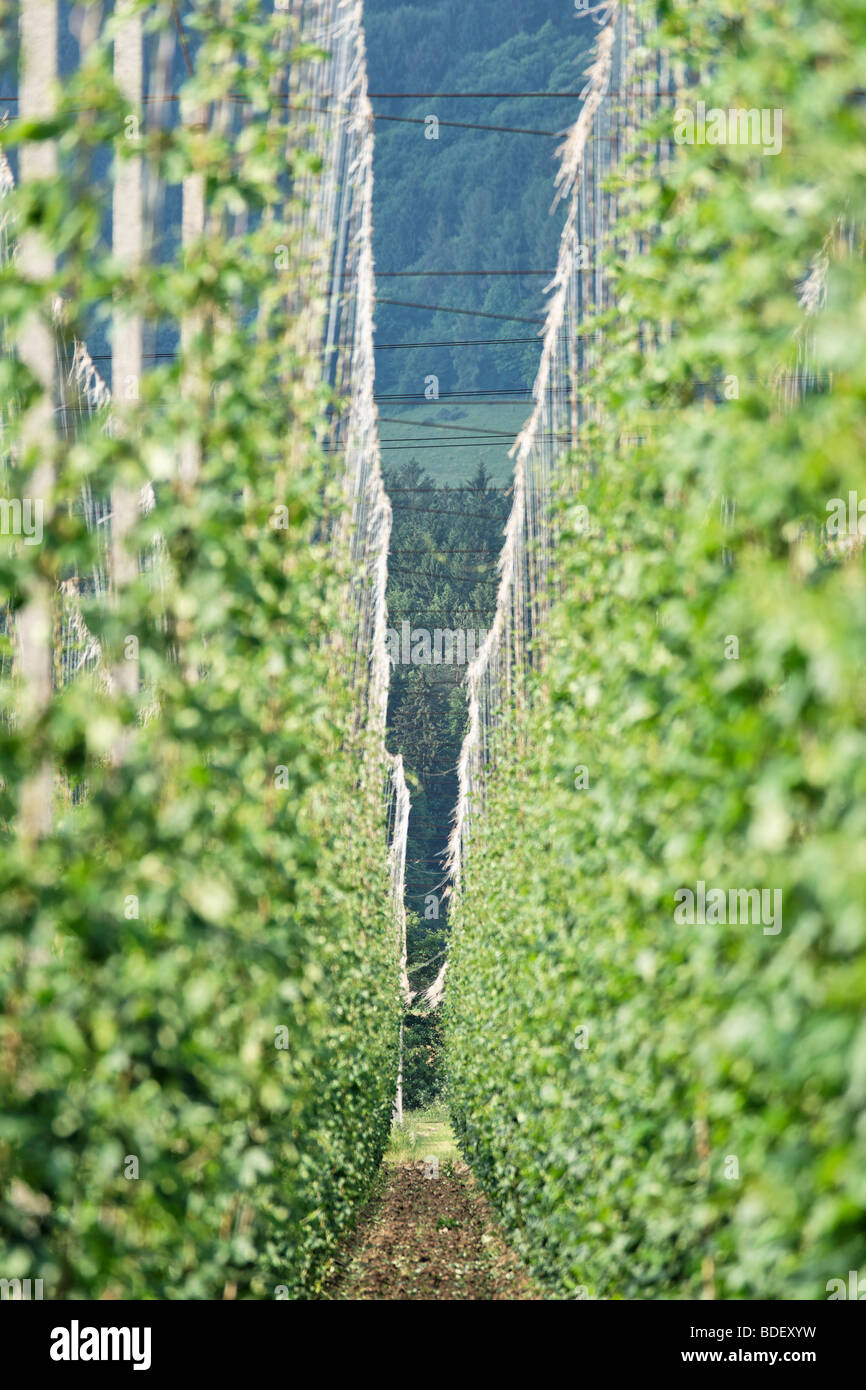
[(473, 199)]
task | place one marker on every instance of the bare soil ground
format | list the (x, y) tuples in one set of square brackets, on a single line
[(428, 1233)]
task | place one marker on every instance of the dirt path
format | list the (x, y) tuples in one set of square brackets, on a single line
[(428, 1233)]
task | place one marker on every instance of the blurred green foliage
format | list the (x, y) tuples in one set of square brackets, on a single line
[(197, 965), (608, 1152)]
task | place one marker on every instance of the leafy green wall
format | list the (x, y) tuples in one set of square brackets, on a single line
[(198, 966), (661, 1110)]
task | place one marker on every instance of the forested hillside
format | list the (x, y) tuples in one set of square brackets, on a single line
[(472, 199)]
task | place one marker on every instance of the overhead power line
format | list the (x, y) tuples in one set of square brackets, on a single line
[(486, 437), (456, 444), (399, 446), (418, 96), (423, 441), (434, 425), (613, 91), (434, 554), (455, 398), (445, 488), (392, 396), (458, 608), (444, 395), (470, 125), (450, 309), (394, 274), (458, 342), (437, 578), (303, 108), (413, 96), (506, 487)]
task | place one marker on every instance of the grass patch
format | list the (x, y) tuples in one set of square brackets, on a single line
[(451, 461), (423, 1134)]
